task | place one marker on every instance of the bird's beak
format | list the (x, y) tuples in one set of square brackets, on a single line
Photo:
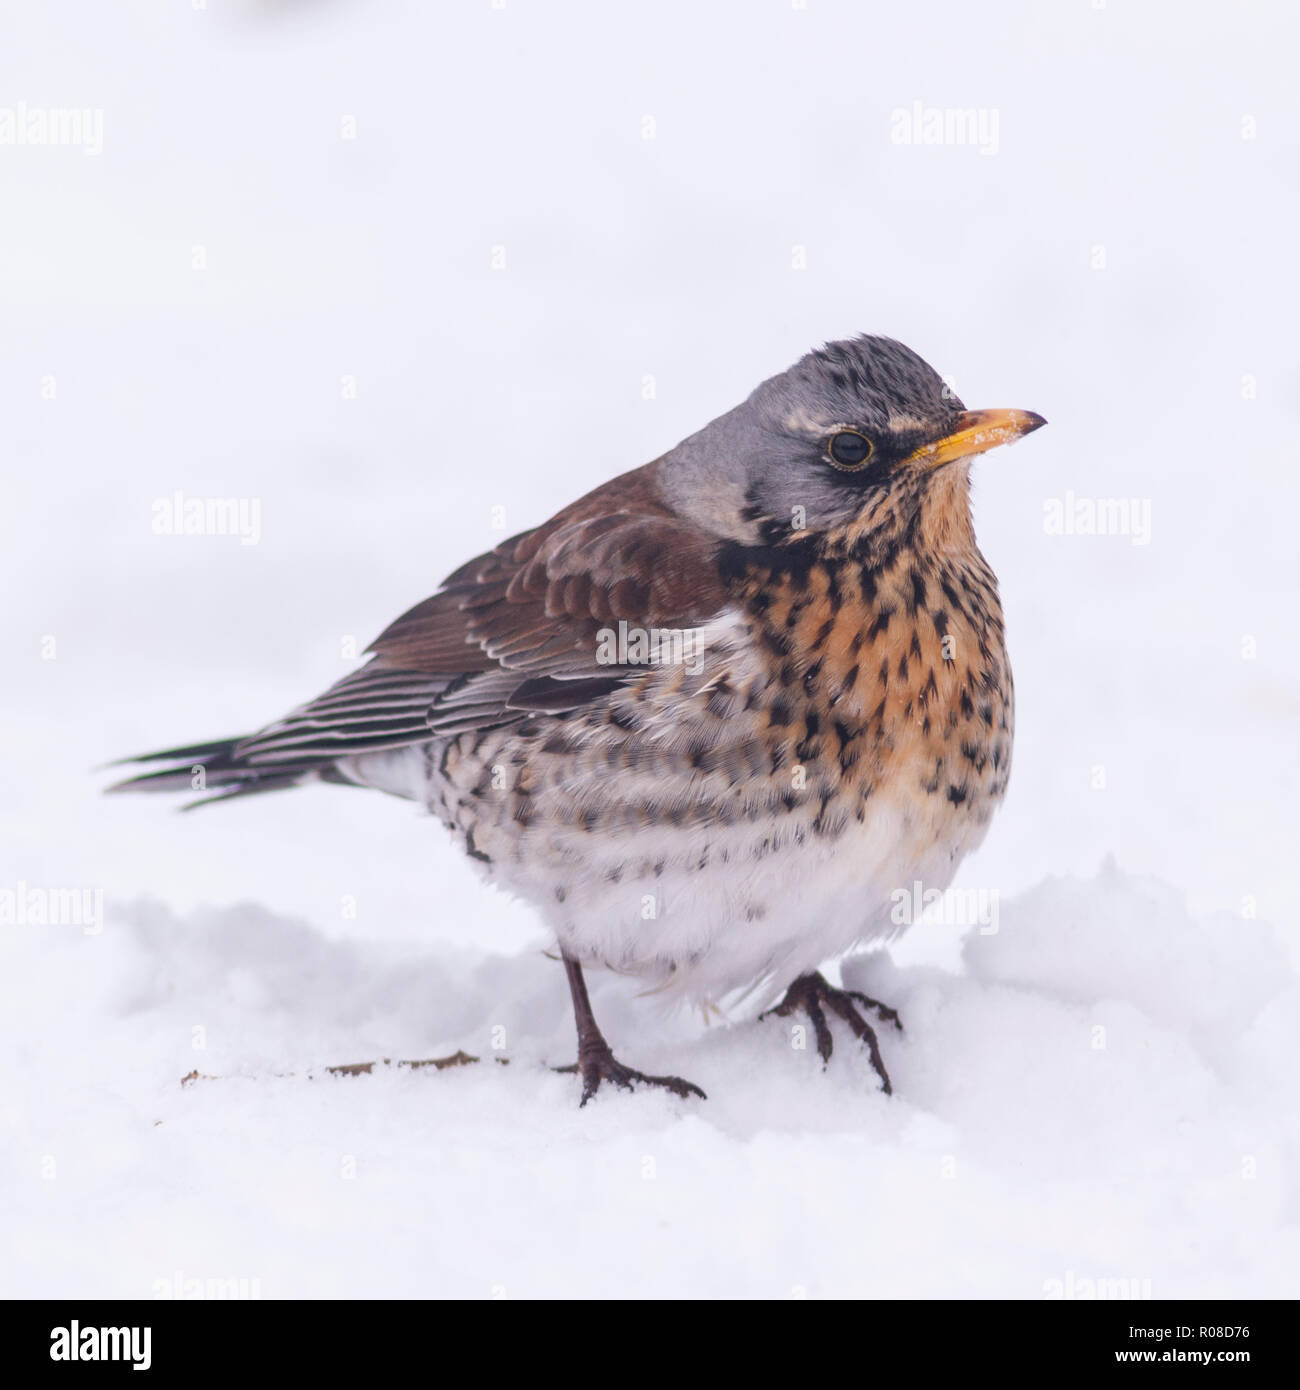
[(976, 432)]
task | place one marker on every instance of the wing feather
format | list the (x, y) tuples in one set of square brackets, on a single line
[(515, 631)]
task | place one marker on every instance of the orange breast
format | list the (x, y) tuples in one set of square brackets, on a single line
[(891, 677)]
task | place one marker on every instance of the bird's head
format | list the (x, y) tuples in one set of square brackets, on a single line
[(857, 437)]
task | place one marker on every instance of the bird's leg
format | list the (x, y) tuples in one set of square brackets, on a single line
[(596, 1063), (814, 995)]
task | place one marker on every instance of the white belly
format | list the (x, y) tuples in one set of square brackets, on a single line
[(770, 910), (708, 910)]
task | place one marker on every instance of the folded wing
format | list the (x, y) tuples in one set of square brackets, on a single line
[(515, 632)]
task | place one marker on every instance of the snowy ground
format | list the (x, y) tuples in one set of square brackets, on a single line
[(1102, 1089), (1107, 1092)]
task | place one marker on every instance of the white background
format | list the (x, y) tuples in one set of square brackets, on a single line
[(1122, 262)]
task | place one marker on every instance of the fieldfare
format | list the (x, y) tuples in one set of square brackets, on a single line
[(710, 716)]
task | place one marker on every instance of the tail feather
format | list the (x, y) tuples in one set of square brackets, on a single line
[(218, 768), (187, 753), (372, 710)]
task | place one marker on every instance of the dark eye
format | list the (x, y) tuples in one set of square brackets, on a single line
[(849, 449)]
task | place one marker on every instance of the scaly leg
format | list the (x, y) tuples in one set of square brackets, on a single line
[(596, 1063)]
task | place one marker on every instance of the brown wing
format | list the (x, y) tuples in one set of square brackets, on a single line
[(535, 604), (515, 630)]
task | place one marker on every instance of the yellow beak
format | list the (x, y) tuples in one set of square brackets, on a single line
[(977, 431)]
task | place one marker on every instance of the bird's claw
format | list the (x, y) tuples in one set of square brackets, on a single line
[(814, 994), (598, 1064)]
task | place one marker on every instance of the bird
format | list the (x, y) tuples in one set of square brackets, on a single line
[(710, 717)]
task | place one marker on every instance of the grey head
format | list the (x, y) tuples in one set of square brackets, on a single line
[(851, 425)]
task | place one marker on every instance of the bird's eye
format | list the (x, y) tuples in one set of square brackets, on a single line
[(849, 450)]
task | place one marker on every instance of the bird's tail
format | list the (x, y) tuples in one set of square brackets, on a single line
[(349, 735), (218, 771)]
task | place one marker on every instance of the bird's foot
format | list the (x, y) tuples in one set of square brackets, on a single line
[(596, 1063), (813, 995)]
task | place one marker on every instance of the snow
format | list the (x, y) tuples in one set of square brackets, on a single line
[(1100, 1089), (1105, 1093)]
